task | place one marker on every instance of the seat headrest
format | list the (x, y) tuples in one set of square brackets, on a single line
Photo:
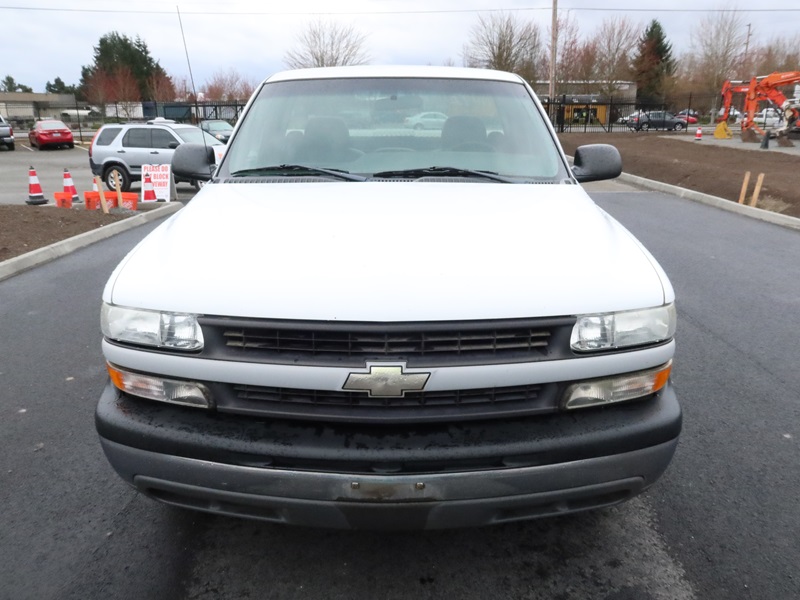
[(462, 130)]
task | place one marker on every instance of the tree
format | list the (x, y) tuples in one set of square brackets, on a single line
[(115, 51), (615, 42), (653, 64), (161, 88), (568, 52), (228, 85), (501, 41), (717, 51), (327, 44), (778, 54), (8, 84), (59, 87)]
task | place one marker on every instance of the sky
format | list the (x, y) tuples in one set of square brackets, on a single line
[(45, 39)]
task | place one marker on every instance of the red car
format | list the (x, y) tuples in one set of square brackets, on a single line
[(690, 116), (50, 132)]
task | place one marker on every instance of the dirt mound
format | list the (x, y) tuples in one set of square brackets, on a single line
[(702, 166)]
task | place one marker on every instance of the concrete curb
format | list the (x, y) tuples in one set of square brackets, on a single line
[(716, 201), (26, 261)]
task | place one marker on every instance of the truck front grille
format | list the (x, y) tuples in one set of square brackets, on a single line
[(351, 344), (450, 405)]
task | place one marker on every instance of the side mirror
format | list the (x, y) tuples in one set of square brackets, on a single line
[(194, 161), (596, 162)]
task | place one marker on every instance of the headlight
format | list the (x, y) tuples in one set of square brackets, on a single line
[(623, 329), (619, 388), (186, 393), (151, 328)]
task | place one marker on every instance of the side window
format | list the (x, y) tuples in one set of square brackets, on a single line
[(107, 136), (137, 137), (162, 138)]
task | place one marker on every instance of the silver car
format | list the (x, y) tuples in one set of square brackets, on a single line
[(121, 149)]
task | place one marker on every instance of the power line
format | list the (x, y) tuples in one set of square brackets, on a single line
[(395, 12)]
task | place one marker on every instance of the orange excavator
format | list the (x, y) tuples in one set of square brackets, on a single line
[(729, 88), (766, 88)]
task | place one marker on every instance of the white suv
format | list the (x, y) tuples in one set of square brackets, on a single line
[(122, 149), (373, 326)]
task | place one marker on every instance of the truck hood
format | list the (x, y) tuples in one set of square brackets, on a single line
[(404, 251)]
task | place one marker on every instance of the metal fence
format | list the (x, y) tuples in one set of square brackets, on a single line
[(79, 115), (576, 114), (569, 114)]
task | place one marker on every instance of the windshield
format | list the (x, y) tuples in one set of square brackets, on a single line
[(195, 135), (389, 125), (217, 126)]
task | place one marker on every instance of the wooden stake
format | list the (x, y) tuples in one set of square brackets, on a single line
[(745, 183), (757, 191), (99, 185)]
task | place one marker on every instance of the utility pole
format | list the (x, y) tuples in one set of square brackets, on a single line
[(746, 61), (553, 45)]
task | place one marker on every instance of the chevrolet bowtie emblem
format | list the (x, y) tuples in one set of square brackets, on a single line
[(388, 381)]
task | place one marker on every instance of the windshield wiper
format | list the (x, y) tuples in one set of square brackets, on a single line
[(442, 172), (298, 170)]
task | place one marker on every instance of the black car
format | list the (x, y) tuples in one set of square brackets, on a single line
[(657, 119), (221, 130)]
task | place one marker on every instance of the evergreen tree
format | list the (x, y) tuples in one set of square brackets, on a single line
[(116, 54), (653, 64), (59, 87), (8, 84)]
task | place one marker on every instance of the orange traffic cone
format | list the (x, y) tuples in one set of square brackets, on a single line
[(69, 187), (149, 194), (698, 134), (35, 194)]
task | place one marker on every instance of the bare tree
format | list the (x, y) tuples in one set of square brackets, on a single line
[(584, 69), (717, 48), (778, 54), (99, 88), (501, 41), (126, 91), (161, 87), (568, 50), (327, 44), (615, 42), (228, 85)]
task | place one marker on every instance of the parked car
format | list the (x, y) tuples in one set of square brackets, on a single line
[(426, 120), (88, 112), (6, 134), (220, 129), (657, 119), (626, 118), (124, 148), (733, 113), (768, 117), (690, 116), (312, 341), (50, 132)]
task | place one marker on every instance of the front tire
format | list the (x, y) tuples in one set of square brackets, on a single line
[(124, 178), (678, 126)]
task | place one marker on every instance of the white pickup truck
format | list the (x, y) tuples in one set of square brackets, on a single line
[(357, 324), (6, 134), (768, 118)]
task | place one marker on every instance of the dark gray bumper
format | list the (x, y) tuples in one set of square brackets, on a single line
[(348, 477)]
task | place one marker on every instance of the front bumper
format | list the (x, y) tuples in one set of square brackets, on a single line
[(432, 476)]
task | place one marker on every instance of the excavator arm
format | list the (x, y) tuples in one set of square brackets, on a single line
[(766, 88)]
